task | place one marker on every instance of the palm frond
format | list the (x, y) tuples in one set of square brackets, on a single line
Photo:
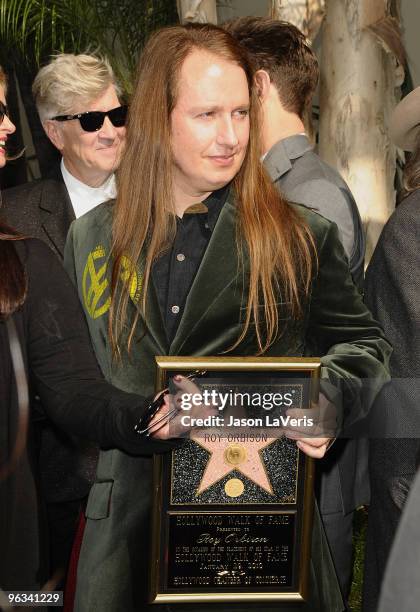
[(115, 28)]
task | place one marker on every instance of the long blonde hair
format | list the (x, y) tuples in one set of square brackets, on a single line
[(279, 244)]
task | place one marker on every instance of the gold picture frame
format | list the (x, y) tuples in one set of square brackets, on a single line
[(177, 511)]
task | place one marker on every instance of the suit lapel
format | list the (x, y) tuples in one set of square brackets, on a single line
[(56, 212), (218, 270), (154, 320)]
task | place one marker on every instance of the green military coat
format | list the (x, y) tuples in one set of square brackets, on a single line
[(336, 325)]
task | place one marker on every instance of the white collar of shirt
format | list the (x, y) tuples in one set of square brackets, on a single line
[(83, 198)]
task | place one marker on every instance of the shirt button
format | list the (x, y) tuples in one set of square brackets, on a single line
[(180, 257), (175, 309)]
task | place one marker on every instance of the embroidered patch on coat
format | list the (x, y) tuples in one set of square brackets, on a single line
[(95, 285)]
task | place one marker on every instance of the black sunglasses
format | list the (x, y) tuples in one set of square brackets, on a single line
[(3, 111), (92, 121)]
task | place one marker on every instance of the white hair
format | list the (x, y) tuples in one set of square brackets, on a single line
[(69, 80)]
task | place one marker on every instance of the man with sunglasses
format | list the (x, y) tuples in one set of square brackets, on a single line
[(78, 103)]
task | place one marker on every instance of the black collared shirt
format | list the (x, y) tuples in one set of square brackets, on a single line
[(174, 272)]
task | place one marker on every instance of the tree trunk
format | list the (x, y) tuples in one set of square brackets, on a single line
[(306, 15), (201, 11), (357, 96), (225, 10)]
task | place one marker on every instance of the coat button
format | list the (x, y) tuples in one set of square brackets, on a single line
[(175, 309)]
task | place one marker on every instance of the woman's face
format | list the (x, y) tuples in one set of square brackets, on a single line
[(6, 128)]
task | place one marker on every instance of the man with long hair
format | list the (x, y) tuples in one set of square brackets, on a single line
[(200, 255)]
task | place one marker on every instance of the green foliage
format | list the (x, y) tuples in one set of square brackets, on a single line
[(37, 28), (116, 28)]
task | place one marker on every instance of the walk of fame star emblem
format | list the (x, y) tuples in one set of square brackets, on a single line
[(227, 456)]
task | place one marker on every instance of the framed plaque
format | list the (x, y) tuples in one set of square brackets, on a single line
[(233, 505)]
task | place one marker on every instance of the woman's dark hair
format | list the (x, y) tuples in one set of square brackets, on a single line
[(13, 282)]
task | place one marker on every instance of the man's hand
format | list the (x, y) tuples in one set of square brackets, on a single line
[(314, 440), (173, 427)]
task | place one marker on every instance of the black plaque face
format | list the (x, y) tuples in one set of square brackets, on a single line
[(223, 551), (233, 504)]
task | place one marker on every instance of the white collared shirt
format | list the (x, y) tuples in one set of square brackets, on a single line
[(83, 198)]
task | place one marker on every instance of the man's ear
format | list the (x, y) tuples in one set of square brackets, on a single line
[(53, 131), (263, 82)]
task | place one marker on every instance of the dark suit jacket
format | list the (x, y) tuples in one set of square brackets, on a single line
[(41, 209), (61, 367), (393, 294), (401, 584), (336, 325), (302, 176)]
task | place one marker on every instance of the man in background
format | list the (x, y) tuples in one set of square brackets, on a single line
[(78, 101), (287, 73)]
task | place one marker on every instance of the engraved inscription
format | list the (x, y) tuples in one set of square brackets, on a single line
[(239, 550)]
